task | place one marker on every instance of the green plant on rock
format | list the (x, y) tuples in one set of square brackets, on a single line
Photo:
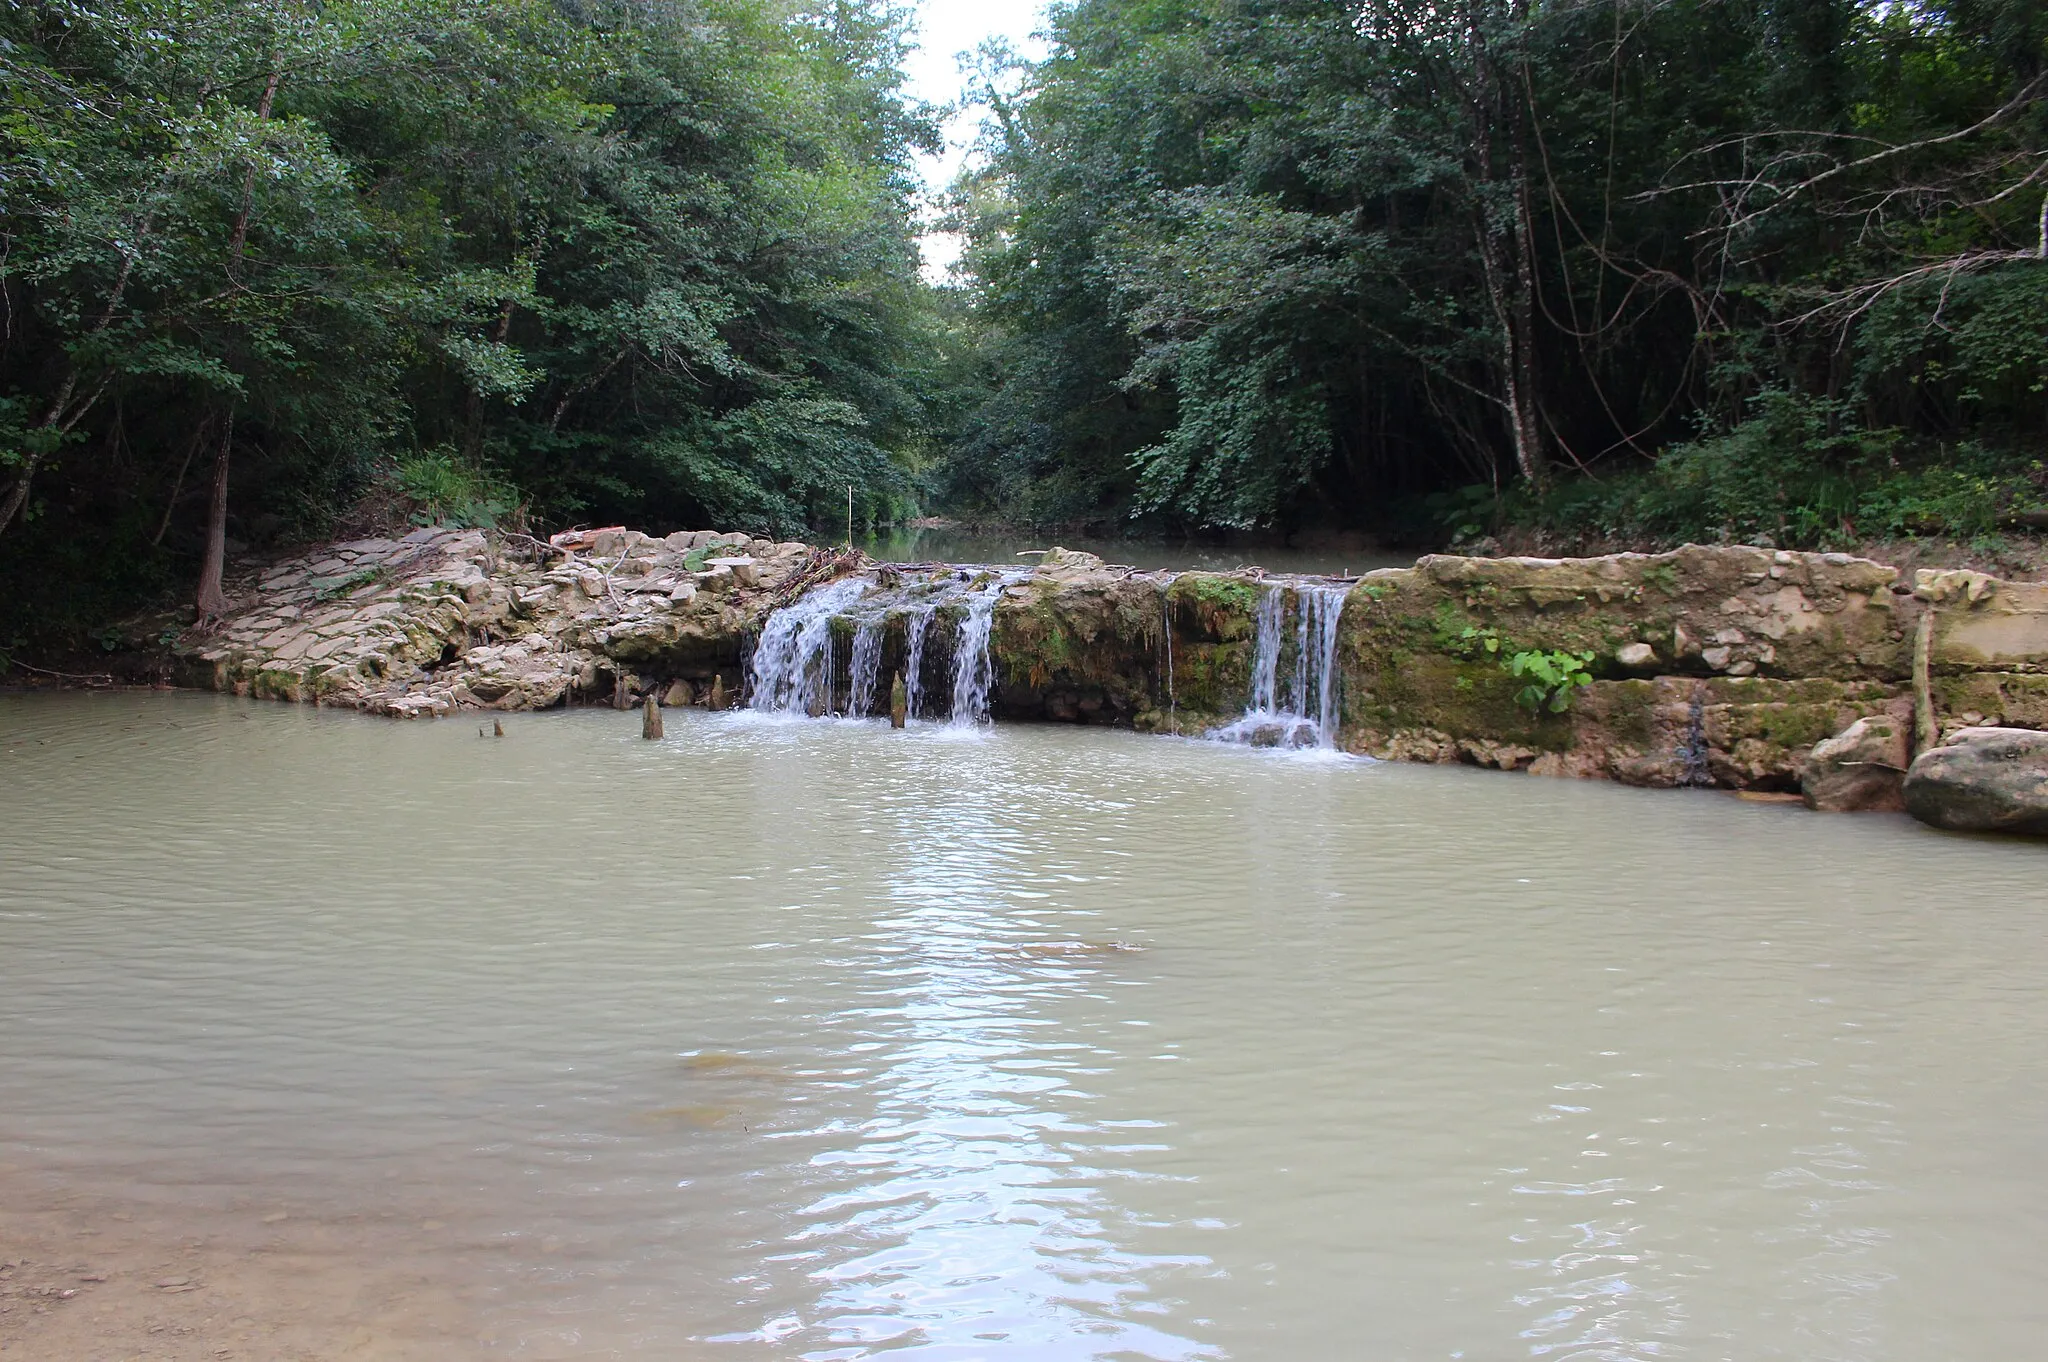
[(1473, 640), (445, 489), (1553, 677)]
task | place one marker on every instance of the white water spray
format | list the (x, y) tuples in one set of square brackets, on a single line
[(1265, 696), (1315, 665), (1309, 717), (973, 669), (866, 666), (915, 628), (791, 670)]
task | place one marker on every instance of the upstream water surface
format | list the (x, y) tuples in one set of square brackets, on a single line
[(809, 1039)]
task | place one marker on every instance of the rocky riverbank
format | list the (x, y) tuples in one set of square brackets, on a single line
[(1735, 667)]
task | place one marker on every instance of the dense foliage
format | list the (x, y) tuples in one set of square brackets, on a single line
[(580, 259), (1619, 268), (1652, 267)]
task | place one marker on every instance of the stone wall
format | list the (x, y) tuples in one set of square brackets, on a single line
[(1710, 665)]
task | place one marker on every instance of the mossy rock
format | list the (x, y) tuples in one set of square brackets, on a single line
[(1213, 606)]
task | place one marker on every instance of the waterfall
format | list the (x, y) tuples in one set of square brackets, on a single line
[(1692, 754), (1265, 697), (973, 670), (867, 663), (1315, 660), (791, 669), (915, 628), (1166, 623), (795, 669), (1309, 717)]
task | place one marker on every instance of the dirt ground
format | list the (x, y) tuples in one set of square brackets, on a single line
[(92, 1280)]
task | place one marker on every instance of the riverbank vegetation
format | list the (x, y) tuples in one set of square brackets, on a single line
[(268, 265), (1615, 268), (1583, 273)]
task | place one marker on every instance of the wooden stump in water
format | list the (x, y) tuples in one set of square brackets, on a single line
[(717, 699), (899, 702), (650, 719)]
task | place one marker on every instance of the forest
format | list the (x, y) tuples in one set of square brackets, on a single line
[(1607, 271)]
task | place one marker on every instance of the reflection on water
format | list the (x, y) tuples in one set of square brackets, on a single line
[(1022, 547), (785, 1039)]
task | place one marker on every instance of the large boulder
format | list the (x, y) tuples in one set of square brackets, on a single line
[(1861, 768), (1983, 780)]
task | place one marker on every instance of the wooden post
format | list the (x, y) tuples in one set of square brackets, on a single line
[(1926, 732), (899, 702), (650, 719), (718, 698)]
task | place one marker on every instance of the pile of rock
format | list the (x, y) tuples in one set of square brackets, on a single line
[(442, 620)]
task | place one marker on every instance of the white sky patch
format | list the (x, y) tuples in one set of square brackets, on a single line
[(947, 28)]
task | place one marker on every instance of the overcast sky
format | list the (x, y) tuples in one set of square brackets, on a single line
[(945, 29)]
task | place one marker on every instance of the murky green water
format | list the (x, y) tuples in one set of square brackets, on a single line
[(814, 1040), (1022, 547)]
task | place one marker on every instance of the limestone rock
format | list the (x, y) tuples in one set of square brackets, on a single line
[(1861, 768), (1636, 655), (1069, 561), (745, 571), (1983, 780)]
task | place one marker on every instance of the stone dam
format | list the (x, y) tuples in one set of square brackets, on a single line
[(1721, 666)]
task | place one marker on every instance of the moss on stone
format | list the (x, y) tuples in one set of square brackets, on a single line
[(1217, 607)]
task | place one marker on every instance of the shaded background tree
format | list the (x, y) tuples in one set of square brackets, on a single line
[(1730, 268), (646, 258)]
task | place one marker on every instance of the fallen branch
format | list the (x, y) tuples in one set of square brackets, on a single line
[(822, 566), (90, 678)]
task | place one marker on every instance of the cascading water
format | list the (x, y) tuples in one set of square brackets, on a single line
[(1265, 697), (1166, 628), (973, 670), (866, 666), (1309, 717), (791, 670), (1319, 608), (915, 628)]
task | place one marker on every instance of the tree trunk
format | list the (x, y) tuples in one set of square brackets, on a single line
[(1523, 389), (178, 484), (18, 494), (212, 599), (1506, 245), (61, 417), (240, 239)]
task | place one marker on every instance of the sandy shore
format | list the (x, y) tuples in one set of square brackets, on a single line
[(94, 1279)]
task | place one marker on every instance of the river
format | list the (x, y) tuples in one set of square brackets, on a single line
[(783, 1039), (1024, 547)]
